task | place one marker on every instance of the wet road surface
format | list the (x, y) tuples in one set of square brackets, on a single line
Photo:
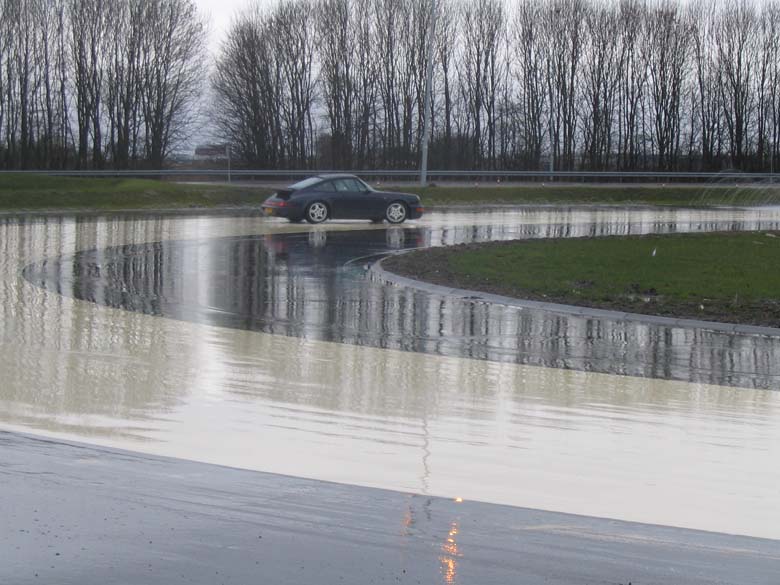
[(102, 516), (254, 344)]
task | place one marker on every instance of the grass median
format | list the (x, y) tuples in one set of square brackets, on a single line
[(19, 192), (535, 194), (726, 277), (22, 192)]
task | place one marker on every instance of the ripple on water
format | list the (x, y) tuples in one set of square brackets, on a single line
[(315, 388)]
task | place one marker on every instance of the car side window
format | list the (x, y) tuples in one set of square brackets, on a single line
[(326, 186), (354, 185), (342, 185)]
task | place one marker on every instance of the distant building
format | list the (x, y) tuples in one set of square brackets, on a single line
[(211, 152)]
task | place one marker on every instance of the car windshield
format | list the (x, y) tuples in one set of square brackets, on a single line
[(305, 183)]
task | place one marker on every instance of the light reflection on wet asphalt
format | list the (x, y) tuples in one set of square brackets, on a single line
[(279, 354)]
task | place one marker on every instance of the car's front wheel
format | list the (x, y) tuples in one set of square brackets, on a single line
[(396, 212), (316, 212)]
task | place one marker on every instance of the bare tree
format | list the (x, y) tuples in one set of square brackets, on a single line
[(736, 35), (667, 46), (88, 25), (123, 82), (335, 21), (707, 115), (603, 66), (445, 79), (293, 44), (563, 43), (172, 60), (770, 22), (599, 84), (482, 31), (528, 66), (244, 89)]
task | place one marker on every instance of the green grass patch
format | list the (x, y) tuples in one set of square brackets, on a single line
[(731, 277), (40, 192), (19, 192), (677, 195)]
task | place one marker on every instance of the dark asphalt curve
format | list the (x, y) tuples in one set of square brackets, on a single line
[(315, 285), (74, 514)]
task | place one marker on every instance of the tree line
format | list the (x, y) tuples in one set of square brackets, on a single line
[(97, 83), (519, 84)]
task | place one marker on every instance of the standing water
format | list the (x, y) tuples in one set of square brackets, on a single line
[(160, 334)]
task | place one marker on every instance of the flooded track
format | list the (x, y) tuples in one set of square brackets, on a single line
[(314, 285), (265, 346)]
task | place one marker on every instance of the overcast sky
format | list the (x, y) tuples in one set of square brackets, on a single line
[(219, 13)]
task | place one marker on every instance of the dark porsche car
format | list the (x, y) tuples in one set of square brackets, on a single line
[(341, 197)]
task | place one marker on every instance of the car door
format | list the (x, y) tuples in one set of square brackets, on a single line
[(343, 199), (362, 202), (373, 203)]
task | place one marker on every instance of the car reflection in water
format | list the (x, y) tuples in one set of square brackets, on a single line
[(315, 285)]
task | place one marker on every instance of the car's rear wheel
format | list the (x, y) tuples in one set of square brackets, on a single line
[(316, 212), (396, 212)]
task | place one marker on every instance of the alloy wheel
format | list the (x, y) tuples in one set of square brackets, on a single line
[(317, 212), (396, 212)]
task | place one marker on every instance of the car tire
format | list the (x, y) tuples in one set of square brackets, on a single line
[(396, 212), (316, 212)]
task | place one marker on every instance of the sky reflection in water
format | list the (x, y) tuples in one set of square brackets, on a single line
[(280, 357)]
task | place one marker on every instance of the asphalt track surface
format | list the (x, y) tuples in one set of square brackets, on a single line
[(75, 513), (80, 515)]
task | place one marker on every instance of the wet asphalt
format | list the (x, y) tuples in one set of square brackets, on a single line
[(82, 515)]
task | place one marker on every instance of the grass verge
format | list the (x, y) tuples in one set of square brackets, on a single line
[(727, 277), (677, 195), (20, 192), (38, 192)]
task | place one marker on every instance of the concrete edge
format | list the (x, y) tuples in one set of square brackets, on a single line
[(380, 273)]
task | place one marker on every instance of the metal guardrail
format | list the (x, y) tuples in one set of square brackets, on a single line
[(414, 174)]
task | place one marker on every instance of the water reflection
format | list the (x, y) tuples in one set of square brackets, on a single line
[(281, 399), (314, 285), (450, 554)]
